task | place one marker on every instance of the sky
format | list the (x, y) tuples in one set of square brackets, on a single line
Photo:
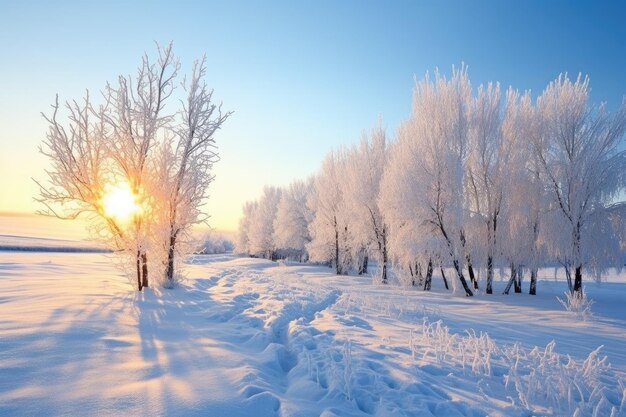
[(302, 77)]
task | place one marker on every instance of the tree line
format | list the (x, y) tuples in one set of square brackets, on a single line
[(475, 179)]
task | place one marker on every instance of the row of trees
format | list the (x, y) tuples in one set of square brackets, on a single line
[(476, 179), (131, 141)]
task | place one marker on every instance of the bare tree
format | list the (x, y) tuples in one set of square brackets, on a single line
[(78, 172), (135, 118), (188, 171), (130, 141)]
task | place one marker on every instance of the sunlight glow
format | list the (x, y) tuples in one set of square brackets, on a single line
[(120, 202)]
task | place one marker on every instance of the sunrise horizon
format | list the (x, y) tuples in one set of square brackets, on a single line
[(291, 103)]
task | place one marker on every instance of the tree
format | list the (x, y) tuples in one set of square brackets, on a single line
[(134, 119), (578, 148), (261, 231), (488, 164), (471, 181), (187, 173), (329, 228), (423, 190), (78, 165), (524, 207), (243, 234), (81, 176), (365, 165), (112, 148), (293, 216)]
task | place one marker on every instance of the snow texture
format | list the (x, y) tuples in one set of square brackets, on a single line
[(251, 337)]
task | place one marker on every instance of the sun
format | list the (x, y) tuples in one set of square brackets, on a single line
[(120, 202)]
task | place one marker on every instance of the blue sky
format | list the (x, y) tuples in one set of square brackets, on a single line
[(301, 76)]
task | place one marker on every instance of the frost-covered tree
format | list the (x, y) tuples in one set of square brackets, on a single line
[(243, 234), (185, 178), (100, 149), (108, 156), (135, 118), (578, 148), (291, 233), (524, 207), (487, 168), (261, 229), (423, 191), (77, 151), (406, 234), (328, 228), (471, 181), (365, 165), (214, 243)]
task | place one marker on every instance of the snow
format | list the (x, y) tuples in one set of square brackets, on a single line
[(41, 244), (39, 233), (250, 337)]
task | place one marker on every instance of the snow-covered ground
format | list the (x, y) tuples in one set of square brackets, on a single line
[(250, 337), (40, 244), (44, 234)]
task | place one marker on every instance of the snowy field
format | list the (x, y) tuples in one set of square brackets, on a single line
[(249, 337), (29, 233)]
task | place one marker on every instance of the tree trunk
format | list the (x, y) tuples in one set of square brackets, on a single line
[(139, 282), (337, 267), (169, 273), (429, 276), (533, 282), (443, 276), (346, 255), (363, 263), (455, 262), (489, 288), (492, 247), (459, 272), (517, 284), (512, 280), (384, 272), (470, 270), (568, 276), (578, 281), (468, 259), (144, 269), (578, 272), (418, 273), (508, 286)]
